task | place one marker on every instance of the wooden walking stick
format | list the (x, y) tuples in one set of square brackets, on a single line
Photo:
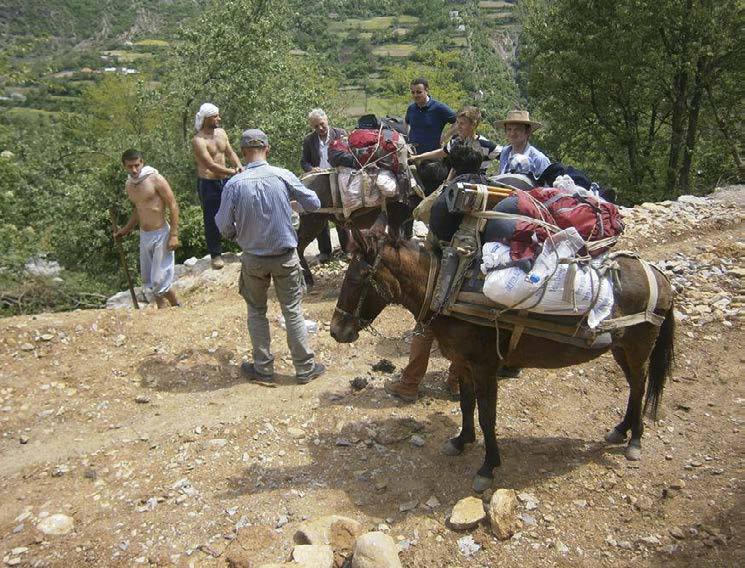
[(123, 258)]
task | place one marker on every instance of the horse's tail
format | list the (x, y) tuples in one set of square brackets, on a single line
[(660, 363)]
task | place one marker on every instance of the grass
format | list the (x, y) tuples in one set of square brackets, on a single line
[(127, 56), (372, 24), (394, 50), (488, 4), (355, 100), (25, 116), (152, 43)]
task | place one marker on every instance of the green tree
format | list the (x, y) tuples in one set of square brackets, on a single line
[(628, 87)]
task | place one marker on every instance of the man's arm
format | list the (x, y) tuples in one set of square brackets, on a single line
[(225, 215), (166, 194), (205, 160), (449, 115), (126, 229), (305, 160), (233, 156), (306, 197)]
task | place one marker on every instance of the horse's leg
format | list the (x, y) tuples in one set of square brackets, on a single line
[(486, 395), (635, 373), (467, 435)]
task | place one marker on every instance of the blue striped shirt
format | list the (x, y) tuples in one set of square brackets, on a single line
[(255, 208)]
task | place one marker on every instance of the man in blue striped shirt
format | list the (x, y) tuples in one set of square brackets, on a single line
[(255, 211)]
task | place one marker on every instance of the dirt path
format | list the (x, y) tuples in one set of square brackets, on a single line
[(138, 426)]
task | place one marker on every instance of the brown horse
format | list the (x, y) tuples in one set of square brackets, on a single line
[(386, 270), (429, 176)]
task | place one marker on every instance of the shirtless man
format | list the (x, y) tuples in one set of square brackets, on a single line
[(150, 193), (210, 145)]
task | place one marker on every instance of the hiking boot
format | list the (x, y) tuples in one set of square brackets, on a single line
[(508, 372), (318, 370), (249, 371), (405, 391), (217, 262)]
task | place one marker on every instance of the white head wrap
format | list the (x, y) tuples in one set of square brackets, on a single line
[(206, 110), (144, 172)]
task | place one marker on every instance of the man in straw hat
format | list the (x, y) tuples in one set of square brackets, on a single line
[(517, 129), (211, 145)]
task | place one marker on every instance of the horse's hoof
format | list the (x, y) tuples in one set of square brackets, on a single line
[(450, 449), (615, 437), (633, 452), (481, 483)]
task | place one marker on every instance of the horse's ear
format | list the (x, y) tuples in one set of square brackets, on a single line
[(380, 225)]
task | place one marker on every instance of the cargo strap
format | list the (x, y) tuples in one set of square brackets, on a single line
[(434, 267)]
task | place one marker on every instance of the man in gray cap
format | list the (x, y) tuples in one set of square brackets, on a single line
[(255, 211)]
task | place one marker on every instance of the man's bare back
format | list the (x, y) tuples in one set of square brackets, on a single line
[(210, 150)]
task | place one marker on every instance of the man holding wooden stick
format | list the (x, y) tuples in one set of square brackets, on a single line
[(150, 194)]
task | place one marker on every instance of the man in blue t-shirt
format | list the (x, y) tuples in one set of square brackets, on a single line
[(426, 117)]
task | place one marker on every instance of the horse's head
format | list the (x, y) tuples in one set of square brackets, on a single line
[(368, 286)]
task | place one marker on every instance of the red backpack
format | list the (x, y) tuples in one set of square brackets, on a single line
[(595, 219), (379, 146)]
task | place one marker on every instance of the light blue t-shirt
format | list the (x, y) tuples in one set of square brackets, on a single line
[(538, 160)]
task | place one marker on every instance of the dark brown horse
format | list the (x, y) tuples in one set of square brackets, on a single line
[(386, 270), (429, 176)]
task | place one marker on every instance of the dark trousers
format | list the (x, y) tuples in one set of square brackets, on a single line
[(324, 239), (210, 193)]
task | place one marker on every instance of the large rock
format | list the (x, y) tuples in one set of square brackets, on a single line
[(56, 524), (334, 530), (375, 550), (467, 513), (314, 555), (502, 512)]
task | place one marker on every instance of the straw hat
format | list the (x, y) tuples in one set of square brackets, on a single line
[(519, 117)]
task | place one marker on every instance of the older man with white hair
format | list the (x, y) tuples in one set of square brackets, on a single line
[(315, 157), (210, 145)]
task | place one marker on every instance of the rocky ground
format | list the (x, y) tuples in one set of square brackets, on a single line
[(129, 437)]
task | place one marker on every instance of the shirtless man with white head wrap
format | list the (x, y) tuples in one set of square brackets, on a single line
[(211, 145)]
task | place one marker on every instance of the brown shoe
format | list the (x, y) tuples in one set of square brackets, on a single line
[(404, 391)]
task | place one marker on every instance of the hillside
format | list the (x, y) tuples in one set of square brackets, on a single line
[(137, 426)]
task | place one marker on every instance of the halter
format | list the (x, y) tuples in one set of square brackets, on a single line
[(368, 283)]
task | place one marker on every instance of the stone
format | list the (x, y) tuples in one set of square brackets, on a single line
[(56, 524), (502, 513), (417, 441), (467, 513), (333, 530), (314, 555), (433, 502), (375, 550), (27, 347), (529, 500), (408, 506), (296, 433), (142, 399), (677, 533), (468, 546)]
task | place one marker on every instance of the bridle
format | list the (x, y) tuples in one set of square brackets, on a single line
[(368, 283)]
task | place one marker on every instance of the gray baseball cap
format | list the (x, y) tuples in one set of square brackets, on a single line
[(254, 138)]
